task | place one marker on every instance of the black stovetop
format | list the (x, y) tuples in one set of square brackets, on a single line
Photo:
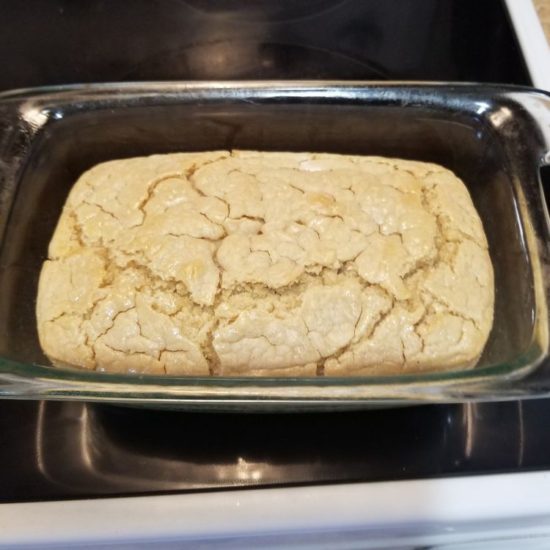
[(61, 42), (71, 450)]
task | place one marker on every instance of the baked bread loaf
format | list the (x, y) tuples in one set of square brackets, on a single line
[(249, 263)]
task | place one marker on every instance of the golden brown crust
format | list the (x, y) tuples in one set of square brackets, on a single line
[(267, 264)]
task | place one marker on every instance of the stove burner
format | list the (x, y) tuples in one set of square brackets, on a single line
[(240, 59), (279, 10)]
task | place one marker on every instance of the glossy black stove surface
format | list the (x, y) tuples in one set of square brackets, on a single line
[(71, 450), (61, 42), (63, 450)]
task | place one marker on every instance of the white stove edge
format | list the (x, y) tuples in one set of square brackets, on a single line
[(532, 40), (502, 508)]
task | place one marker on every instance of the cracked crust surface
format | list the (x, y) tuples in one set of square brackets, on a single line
[(266, 264)]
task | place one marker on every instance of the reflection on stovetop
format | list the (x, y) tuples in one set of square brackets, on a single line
[(95, 41), (70, 450), (283, 10), (234, 58)]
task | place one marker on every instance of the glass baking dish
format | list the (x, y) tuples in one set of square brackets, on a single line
[(496, 138)]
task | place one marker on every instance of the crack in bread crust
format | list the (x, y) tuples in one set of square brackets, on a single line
[(248, 263)]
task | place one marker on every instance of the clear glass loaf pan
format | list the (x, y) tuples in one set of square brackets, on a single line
[(496, 138)]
